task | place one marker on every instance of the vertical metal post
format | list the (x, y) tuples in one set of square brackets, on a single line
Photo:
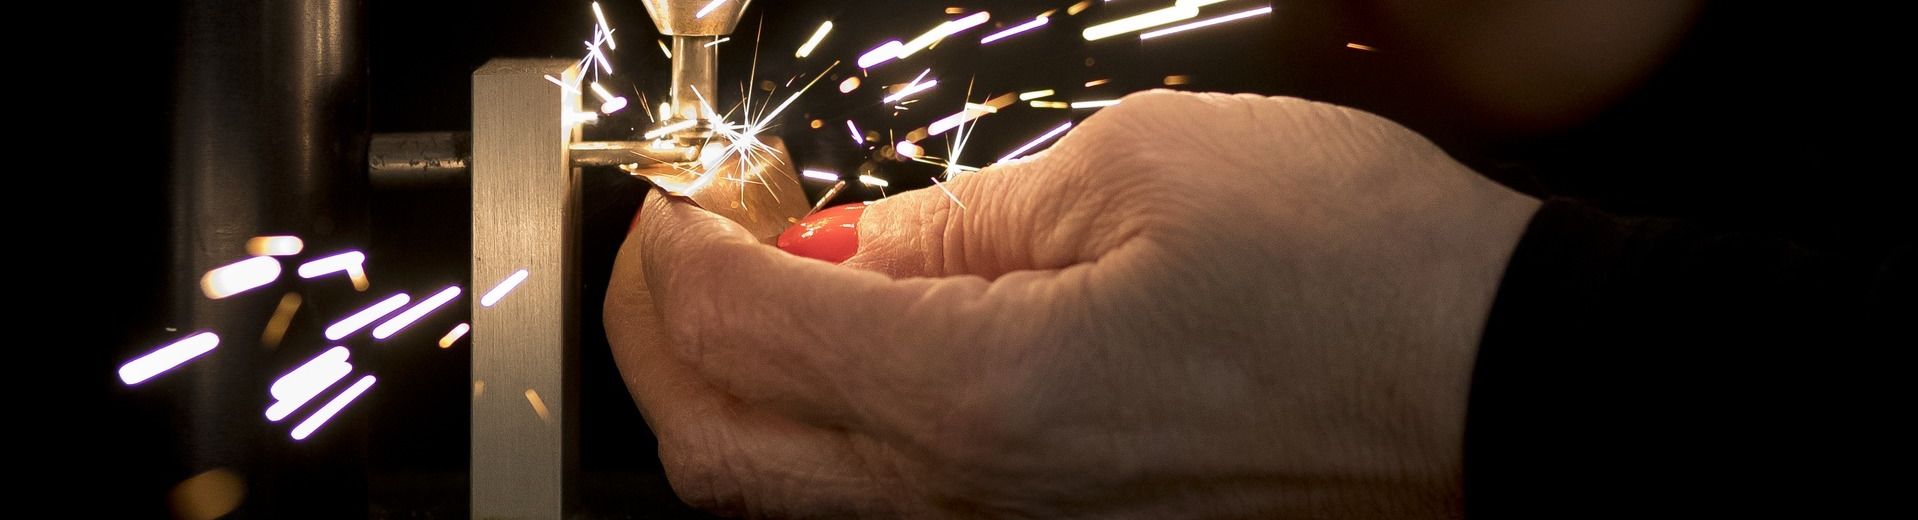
[(526, 197)]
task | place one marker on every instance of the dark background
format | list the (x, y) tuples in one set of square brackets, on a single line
[(1785, 118)]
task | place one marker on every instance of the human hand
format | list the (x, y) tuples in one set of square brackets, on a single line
[(1191, 305)]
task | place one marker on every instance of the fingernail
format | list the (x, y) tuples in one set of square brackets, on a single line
[(832, 234)]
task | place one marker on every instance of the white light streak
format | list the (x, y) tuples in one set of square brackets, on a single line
[(1206, 22), (1036, 142), (857, 137), (953, 121), (274, 246), (949, 195), (703, 11), (451, 336), (943, 30), (333, 407), (670, 128), (1051, 104), (1141, 22), (719, 41), (505, 286), (664, 49), (1097, 82), (819, 175), (884, 53), (1036, 94), (1010, 31), (239, 277), (604, 27), (908, 149), (609, 103), (167, 357), (914, 88), (873, 181), (341, 262), (1094, 104), (813, 42), (1360, 46), (414, 313), (359, 319), (850, 84), (293, 390)]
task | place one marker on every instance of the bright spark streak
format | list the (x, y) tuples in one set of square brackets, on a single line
[(912, 88), (1036, 94), (274, 246), (703, 11), (1141, 22), (609, 103), (359, 319), (873, 181), (239, 277), (451, 336), (605, 27), (167, 357), (663, 48), (562, 84), (882, 54), (539, 406), (719, 41), (908, 149), (1010, 31), (1206, 22), (949, 195), (674, 127), (319, 418), (1360, 46), (813, 42), (1094, 104), (505, 286), (953, 121), (1036, 142), (856, 136), (1051, 104), (849, 85), (1097, 82), (332, 264), (827, 197), (1077, 8), (819, 175), (581, 117), (293, 390), (415, 312), (942, 31)]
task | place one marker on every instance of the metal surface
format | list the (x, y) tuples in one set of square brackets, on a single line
[(682, 17), (269, 130), (695, 76), (526, 203), (618, 153), (419, 158), (764, 199)]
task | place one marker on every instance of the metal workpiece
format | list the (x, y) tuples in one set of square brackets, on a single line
[(764, 197), (695, 83), (419, 158), (526, 216), (641, 153), (695, 17)]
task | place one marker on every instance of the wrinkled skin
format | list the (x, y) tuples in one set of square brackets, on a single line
[(1191, 305)]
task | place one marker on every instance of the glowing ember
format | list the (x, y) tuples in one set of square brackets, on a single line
[(167, 357), (274, 246), (813, 42), (282, 318), (539, 406), (451, 336)]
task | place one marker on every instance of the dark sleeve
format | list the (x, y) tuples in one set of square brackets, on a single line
[(1638, 368)]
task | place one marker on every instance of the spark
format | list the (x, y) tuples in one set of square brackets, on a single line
[(505, 286), (239, 277), (167, 357), (605, 27), (949, 195), (1097, 82), (664, 49), (333, 407), (539, 406), (885, 52), (827, 197), (415, 312), (451, 336), (971, 112), (1078, 8), (581, 117), (1010, 31), (908, 149), (1036, 142), (911, 89), (479, 387), (1051, 104), (1036, 94), (819, 175), (873, 181), (274, 246), (703, 11), (719, 41), (849, 85), (568, 88), (1361, 46), (282, 318), (1206, 22), (359, 319), (943, 30), (1147, 20), (670, 128), (609, 103), (1094, 104), (813, 42), (293, 390), (347, 261), (1179, 79), (856, 136)]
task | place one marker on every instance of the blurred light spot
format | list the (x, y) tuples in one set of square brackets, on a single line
[(539, 406), (451, 336), (274, 246), (282, 318), (1179, 79), (1036, 94), (1097, 82), (1360, 46), (239, 277), (207, 496)]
